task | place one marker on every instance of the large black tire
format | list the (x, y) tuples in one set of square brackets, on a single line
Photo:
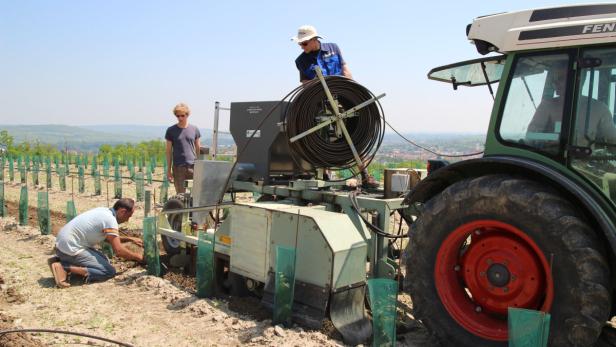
[(172, 246), (580, 303)]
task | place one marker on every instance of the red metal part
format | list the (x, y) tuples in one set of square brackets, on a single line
[(478, 298)]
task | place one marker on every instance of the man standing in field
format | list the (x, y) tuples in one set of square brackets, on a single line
[(183, 140), (75, 243)]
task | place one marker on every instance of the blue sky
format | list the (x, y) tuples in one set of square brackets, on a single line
[(130, 62)]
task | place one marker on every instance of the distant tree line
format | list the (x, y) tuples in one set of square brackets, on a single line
[(123, 152)]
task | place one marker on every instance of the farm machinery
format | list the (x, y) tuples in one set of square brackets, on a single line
[(338, 232), (531, 224)]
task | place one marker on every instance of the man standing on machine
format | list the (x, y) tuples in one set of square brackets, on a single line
[(183, 141), (325, 55), (328, 57)]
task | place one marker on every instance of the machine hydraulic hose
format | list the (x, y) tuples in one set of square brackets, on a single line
[(328, 147)]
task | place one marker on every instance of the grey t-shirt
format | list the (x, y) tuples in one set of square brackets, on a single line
[(86, 230), (183, 142)]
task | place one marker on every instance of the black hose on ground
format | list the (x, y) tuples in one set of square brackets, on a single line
[(56, 331)]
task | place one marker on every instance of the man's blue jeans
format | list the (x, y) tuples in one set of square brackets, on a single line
[(95, 262)]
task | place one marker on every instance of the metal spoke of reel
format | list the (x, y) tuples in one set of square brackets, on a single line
[(338, 118)]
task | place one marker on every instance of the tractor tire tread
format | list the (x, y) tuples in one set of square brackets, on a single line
[(578, 324)]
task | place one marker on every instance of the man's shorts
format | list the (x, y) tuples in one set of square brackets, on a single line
[(180, 174)]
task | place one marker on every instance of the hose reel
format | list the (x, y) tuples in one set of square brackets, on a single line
[(334, 122)]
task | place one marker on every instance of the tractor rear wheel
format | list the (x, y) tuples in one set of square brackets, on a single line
[(493, 242)]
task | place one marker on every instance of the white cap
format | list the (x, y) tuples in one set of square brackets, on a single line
[(305, 33)]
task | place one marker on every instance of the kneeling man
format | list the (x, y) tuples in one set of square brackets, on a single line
[(75, 253)]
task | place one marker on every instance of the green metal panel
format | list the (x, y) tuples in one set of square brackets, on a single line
[(330, 250), (346, 244), (314, 257), (250, 242)]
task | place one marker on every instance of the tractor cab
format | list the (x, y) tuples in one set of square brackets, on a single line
[(558, 96), (531, 224)]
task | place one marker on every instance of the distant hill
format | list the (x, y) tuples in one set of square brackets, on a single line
[(87, 138), (90, 137), (393, 138), (151, 132)]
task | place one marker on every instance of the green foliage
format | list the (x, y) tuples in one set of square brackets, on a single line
[(146, 149), (135, 152)]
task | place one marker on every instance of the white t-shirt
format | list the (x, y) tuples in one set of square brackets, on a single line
[(86, 230)]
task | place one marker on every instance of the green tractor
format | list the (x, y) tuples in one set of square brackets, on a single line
[(531, 224)]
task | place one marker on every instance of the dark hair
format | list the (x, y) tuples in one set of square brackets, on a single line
[(125, 203)]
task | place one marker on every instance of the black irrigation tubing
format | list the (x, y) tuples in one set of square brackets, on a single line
[(431, 151), (56, 331), (320, 148)]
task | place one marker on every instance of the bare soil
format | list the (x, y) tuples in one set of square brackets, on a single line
[(133, 308)]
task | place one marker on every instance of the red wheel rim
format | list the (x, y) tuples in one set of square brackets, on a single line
[(500, 267)]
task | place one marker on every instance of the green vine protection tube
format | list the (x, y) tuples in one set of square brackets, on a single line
[(107, 249), (528, 327), (94, 166), (2, 209), (71, 211), (43, 214), (11, 170), (97, 183), (48, 177), (106, 168), (23, 206), (164, 192), (140, 187), (35, 174), (151, 246), (383, 298), (117, 188), (205, 265), (148, 203), (62, 178), (82, 180), (131, 169), (284, 285)]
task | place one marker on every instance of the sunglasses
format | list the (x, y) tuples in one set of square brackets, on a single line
[(304, 44), (180, 115)]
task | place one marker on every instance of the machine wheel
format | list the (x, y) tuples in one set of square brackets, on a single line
[(171, 245), (493, 242)]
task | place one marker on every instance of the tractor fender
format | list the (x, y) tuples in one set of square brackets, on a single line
[(593, 204)]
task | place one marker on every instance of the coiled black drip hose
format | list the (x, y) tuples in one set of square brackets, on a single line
[(328, 148)]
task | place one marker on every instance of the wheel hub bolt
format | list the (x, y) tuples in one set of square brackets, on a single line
[(478, 309), (477, 232), (456, 268), (506, 289), (498, 275)]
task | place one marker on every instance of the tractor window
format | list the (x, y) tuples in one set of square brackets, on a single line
[(594, 125), (594, 119), (534, 104)]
